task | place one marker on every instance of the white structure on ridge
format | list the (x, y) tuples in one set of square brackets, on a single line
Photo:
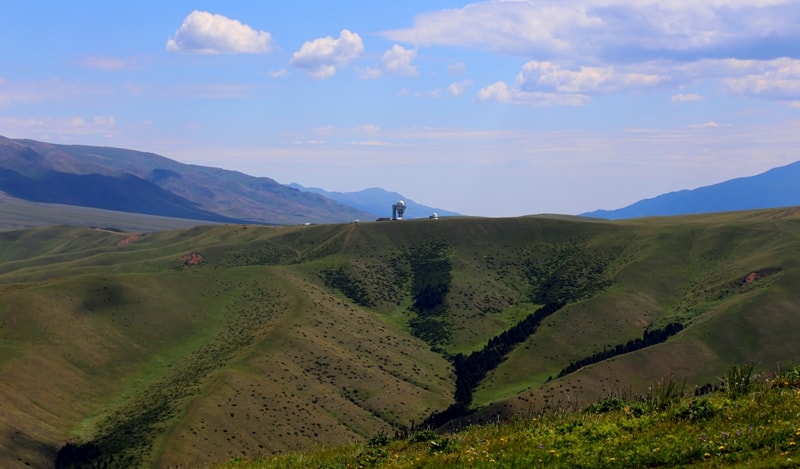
[(398, 210)]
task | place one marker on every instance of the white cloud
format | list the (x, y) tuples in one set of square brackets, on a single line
[(775, 79), (503, 26), (501, 92), (548, 84), (603, 28), (458, 88), (686, 98), (207, 33), (278, 73), (547, 76), (599, 47), (395, 61), (320, 58), (497, 91)]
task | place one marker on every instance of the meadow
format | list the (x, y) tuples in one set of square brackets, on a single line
[(750, 422)]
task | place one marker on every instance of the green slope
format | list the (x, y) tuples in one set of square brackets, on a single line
[(286, 338)]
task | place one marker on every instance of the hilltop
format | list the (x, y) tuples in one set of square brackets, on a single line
[(203, 344)]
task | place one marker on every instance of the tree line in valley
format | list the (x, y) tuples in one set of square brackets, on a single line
[(653, 337)]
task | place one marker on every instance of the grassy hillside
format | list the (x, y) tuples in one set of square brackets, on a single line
[(16, 214), (200, 345), (751, 423)]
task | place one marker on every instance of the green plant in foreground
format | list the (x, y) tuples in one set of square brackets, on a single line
[(739, 380), (757, 429)]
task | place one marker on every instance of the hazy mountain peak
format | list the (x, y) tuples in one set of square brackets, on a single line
[(377, 202)]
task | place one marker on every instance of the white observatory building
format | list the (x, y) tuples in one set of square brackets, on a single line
[(398, 209)]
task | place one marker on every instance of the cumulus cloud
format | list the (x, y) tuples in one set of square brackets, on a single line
[(597, 47), (395, 61), (548, 84), (458, 88), (547, 76), (774, 79), (321, 57), (777, 79), (497, 91), (207, 33)]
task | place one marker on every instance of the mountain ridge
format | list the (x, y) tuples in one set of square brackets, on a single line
[(774, 188), (230, 195), (378, 202)]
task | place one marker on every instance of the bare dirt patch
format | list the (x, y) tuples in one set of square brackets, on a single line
[(756, 275), (194, 258), (129, 239)]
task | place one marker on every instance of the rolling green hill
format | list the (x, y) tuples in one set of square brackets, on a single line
[(17, 214), (194, 346)]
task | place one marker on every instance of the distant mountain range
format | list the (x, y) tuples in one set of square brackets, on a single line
[(132, 181), (378, 202), (146, 183), (778, 187)]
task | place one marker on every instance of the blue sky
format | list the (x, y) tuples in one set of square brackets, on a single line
[(494, 108)]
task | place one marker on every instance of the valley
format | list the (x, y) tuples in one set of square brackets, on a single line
[(197, 345)]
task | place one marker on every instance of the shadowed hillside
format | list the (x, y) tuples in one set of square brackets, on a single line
[(195, 346)]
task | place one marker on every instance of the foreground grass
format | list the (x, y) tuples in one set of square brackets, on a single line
[(752, 423)]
